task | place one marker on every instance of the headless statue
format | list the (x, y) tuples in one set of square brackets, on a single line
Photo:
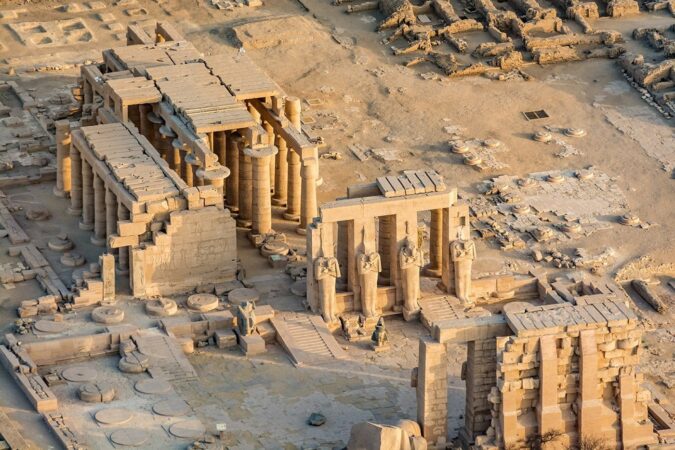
[(369, 266), (463, 252), (410, 261), (246, 318), (326, 271)]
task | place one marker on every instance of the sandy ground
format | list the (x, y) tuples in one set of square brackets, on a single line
[(363, 95)]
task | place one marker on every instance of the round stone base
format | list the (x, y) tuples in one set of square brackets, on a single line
[(59, 192), (292, 217), (99, 242), (86, 226), (74, 212), (244, 223), (301, 231), (278, 202)]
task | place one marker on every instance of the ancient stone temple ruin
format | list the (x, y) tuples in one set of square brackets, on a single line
[(564, 374), (373, 235), (157, 170)]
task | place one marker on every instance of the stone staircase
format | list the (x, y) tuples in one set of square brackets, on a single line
[(307, 340)]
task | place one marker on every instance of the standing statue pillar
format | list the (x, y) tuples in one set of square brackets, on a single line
[(369, 266), (281, 177), (87, 221), (410, 261), (434, 268), (261, 206), (99, 236), (63, 140), (75, 208), (463, 252), (326, 272)]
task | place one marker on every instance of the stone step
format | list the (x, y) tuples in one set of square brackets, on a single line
[(307, 340)]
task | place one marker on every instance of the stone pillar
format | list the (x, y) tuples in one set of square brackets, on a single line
[(308, 207), (294, 187), (123, 253), (165, 143), (110, 216), (269, 129), (434, 268), (281, 176), (245, 190), (293, 111), (549, 413), (480, 376), (99, 236), (432, 391), (176, 155), (63, 139), (369, 266), (232, 158), (215, 177), (187, 171), (75, 208), (107, 263), (156, 123), (385, 234), (589, 398), (220, 147), (147, 128), (87, 221), (261, 207)]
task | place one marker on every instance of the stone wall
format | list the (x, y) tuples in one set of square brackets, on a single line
[(576, 384), (432, 391), (197, 247)]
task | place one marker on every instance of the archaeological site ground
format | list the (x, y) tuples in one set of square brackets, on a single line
[(337, 224)]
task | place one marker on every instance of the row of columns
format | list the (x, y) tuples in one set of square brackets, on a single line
[(95, 204)]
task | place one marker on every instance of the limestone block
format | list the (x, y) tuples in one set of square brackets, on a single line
[(226, 338), (128, 228), (253, 344)]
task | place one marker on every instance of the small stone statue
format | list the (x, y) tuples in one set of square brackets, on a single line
[(246, 318), (380, 337), (326, 271)]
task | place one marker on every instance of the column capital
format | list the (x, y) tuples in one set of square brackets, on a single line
[(261, 152)]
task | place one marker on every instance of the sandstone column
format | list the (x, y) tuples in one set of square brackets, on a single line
[(271, 138), (187, 171), (165, 143), (245, 190), (434, 268), (281, 175), (232, 159), (123, 254), (220, 147), (107, 263), (76, 182), (153, 136), (87, 221), (261, 207), (215, 177), (99, 236), (110, 216), (176, 155), (293, 201), (63, 139), (308, 207), (147, 128), (293, 112)]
